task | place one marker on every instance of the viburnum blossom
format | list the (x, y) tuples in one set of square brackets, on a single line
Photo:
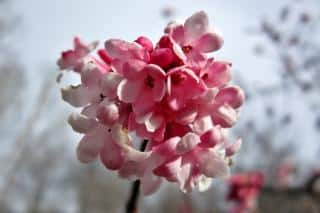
[(172, 95), (244, 190)]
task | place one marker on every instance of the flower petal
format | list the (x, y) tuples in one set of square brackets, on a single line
[(233, 148), (187, 115), (177, 33), (208, 42), (159, 81), (202, 125), (111, 155), (187, 143), (128, 91), (90, 145), (216, 74), (81, 123), (232, 95), (213, 165), (150, 183), (212, 137), (225, 116), (108, 113), (131, 69), (117, 48), (76, 96), (196, 25), (109, 84), (203, 183), (153, 123)]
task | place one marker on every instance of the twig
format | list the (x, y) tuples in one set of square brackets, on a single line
[(132, 204)]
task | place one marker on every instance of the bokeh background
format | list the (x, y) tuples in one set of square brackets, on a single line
[(275, 50)]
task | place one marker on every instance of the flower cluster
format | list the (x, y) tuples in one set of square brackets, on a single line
[(244, 190), (172, 95)]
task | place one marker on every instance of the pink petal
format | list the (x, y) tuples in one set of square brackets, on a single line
[(117, 48), (128, 91), (167, 148), (196, 59), (232, 95), (196, 25), (109, 84), (108, 113), (187, 115), (81, 48), (111, 155), (162, 57), (90, 145), (208, 42), (169, 170), (135, 164), (159, 81), (212, 165), (150, 183), (211, 137), (217, 74), (142, 132), (90, 75), (153, 123), (202, 125), (233, 148), (144, 103), (208, 96), (117, 65), (120, 136), (225, 116), (178, 35), (132, 69), (68, 60), (145, 42)]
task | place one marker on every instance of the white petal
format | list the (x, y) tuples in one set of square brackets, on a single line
[(128, 91), (153, 123), (81, 123), (109, 84), (90, 145), (196, 25), (150, 184), (203, 183), (213, 165), (202, 125), (76, 96), (187, 143)]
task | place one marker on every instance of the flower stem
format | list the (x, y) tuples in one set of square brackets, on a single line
[(132, 204)]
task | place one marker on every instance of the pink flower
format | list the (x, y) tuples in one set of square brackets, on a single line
[(171, 95), (182, 86), (244, 190), (191, 159), (216, 73), (73, 59), (195, 37), (143, 86)]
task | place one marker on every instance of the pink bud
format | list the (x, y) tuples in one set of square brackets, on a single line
[(145, 42)]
